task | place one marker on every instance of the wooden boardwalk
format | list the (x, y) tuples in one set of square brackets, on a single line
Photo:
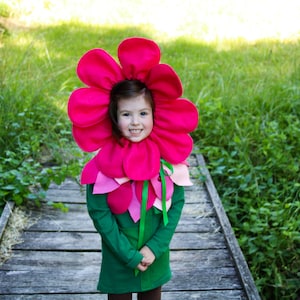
[(60, 256)]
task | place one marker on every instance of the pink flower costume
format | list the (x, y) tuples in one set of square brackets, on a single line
[(136, 176)]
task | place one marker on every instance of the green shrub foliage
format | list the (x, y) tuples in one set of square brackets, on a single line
[(254, 160), (36, 144), (34, 154)]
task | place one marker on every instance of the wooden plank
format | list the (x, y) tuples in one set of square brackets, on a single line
[(77, 241), (38, 265), (66, 196), (198, 224), (194, 218), (208, 279), (198, 210), (186, 224), (205, 295), (4, 217), (62, 296), (85, 280), (208, 258), (196, 194), (233, 246), (193, 194), (51, 260), (68, 184), (166, 295)]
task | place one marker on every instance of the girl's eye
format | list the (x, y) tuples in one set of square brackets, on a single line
[(125, 114), (144, 113)]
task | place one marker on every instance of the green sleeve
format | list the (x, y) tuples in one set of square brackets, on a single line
[(106, 224), (160, 241)]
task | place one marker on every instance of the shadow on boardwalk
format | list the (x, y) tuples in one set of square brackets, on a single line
[(60, 256)]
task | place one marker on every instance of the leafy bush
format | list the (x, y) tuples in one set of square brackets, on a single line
[(36, 154), (5, 10), (252, 148), (36, 144)]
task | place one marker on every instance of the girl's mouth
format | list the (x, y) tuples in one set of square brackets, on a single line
[(135, 131)]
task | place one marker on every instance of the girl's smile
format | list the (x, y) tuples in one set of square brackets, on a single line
[(135, 118)]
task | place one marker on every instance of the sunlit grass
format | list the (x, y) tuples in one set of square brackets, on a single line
[(203, 20)]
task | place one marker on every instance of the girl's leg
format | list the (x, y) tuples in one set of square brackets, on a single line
[(150, 295), (120, 296)]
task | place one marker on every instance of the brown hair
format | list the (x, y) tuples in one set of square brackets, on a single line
[(124, 90)]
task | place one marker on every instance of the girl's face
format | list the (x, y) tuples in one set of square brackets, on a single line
[(135, 118)]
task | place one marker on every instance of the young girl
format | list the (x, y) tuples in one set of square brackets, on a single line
[(133, 115)]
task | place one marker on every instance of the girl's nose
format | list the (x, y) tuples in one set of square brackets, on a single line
[(135, 120)]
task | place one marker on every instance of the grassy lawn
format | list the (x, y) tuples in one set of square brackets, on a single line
[(239, 61)]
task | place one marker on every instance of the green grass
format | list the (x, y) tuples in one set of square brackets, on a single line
[(247, 93), (249, 133)]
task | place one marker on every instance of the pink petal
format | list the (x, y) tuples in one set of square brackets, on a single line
[(89, 172), (110, 159), (156, 183), (88, 106), (98, 69), (180, 115), (139, 193), (137, 56), (119, 199), (104, 184), (164, 83), (141, 160), (122, 180), (174, 147), (134, 206), (158, 204), (181, 175), (92, 138)]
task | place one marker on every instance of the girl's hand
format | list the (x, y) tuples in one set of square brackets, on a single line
[(142, 267), (149, 257)]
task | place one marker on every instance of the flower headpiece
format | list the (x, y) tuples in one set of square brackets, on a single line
[(174, 117)]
